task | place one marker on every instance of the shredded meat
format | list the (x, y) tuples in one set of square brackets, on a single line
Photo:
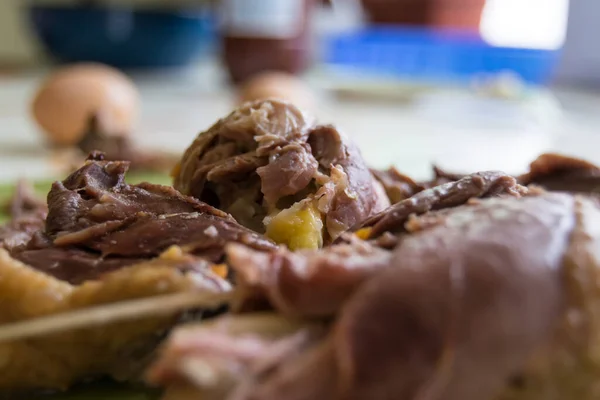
[(452, 194), (268, 155), (98, 223)]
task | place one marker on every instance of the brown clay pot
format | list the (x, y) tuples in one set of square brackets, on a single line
[(463, 14)]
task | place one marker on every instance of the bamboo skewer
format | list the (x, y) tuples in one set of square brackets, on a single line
[(99, 315)]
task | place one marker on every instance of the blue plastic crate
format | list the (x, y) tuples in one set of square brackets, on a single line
[(438, 55)]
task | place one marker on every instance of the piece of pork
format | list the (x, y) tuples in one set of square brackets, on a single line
[(448, 195), (458, 315), (497, 298), (98, 223), (312, 283), (305, 283), (268, 155)]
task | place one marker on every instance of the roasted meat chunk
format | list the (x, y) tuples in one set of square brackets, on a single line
[(277, 172), (101, 240), (496, 299), (98, 223)]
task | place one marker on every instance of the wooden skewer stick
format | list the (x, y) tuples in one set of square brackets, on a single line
[(156, 306)]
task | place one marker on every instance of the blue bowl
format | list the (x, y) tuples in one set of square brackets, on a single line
[(124, 38)]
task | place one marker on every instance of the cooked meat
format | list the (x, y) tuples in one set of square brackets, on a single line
[(19, 231), (306, 283), (98, 223), (317, 283), (561, 173), (497, 291), (397, 185), (72, 265), (99, 244), (230, 352), (25, 202), (97, 193), (568, 366), (266, 157), (452, 194), (470, 297), (441, 176), (27, 214), (58, 360), (553, 172)]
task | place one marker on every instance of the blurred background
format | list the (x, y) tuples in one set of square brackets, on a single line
[(465, 84)]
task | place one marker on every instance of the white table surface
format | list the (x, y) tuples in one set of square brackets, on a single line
[(447, 128)]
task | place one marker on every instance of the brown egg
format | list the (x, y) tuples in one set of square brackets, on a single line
[(69, 98), (277, 85)]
